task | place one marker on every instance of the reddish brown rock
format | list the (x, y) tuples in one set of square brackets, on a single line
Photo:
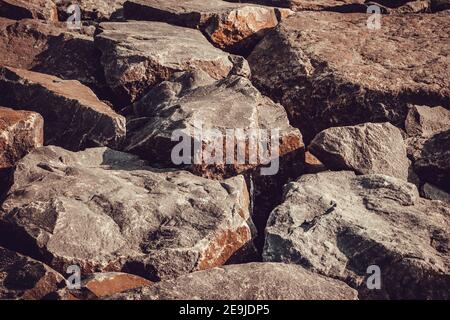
[(50, 48), (33, 9), (424, 121), (231, 26), (74, 117), (26, 279), (138, 55), (20, 132), (93, 10), (320, 70)]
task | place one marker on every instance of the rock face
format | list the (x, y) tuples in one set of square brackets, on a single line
[(74, 117), (423, 121), (50, 48), (367, 148), (320, 70), (24, 278), (106, 211), (94, 10), (138, 55), (34, 9), (339, 224), (233, 27), (193, 103), (20, 133), (100, 285), (254, 281), (433, 193)]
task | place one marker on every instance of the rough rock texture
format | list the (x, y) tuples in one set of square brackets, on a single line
[(193, 101), (423, 121), (431, 159), (367, 148), (100, 285), (20, 132), (254, 281), (33, 9), (433, 193), (339, 224), (316, 64), (48, 48), (95, 10), (106, 211), (138, 55), (230, 26), (74, 117), (314, 5), (24, 278)]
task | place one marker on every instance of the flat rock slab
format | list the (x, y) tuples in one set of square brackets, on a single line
[(317, 64), (338, 224), (31, 9), (253, 281), (51, 48), (425, 122), (106, 211), (367, 148), (194, 103), (20, 133), (24, 278), (74, 117), (234, 27), (138, 55)]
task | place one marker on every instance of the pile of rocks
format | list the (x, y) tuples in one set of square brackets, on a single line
[(354, 121)]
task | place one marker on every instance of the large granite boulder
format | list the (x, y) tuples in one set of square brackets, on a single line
[(196, 108), (317, 64), (253, 281), (26, 279), (105, 210), (74, 117), (52, 49), (138, 55), (29, 9), (425, 122), (367, 148), (346, 226), (233, 27)]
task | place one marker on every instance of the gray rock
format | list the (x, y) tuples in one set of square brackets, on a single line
[(138, 55), (31, 9), (338, 224), (433, 193), (74, 118), (231, 26), (96, 10), (24, 278), (106, 211), (254, 281), (367, 148), (193, 101), (424, 121), (314, 67)]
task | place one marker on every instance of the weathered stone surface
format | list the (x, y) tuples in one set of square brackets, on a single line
[(194, 102), (254, 281), (106, 211), (423, 121), (74, 117), (431, 159), (312, 164), (313, 65), (100, 285), (367, 148), (50, 48), (138, 55), (315, 5), (33, 9), (231, 26), (24, 278), (433, 193), (339, 224), (94, 10), (20, 132)]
